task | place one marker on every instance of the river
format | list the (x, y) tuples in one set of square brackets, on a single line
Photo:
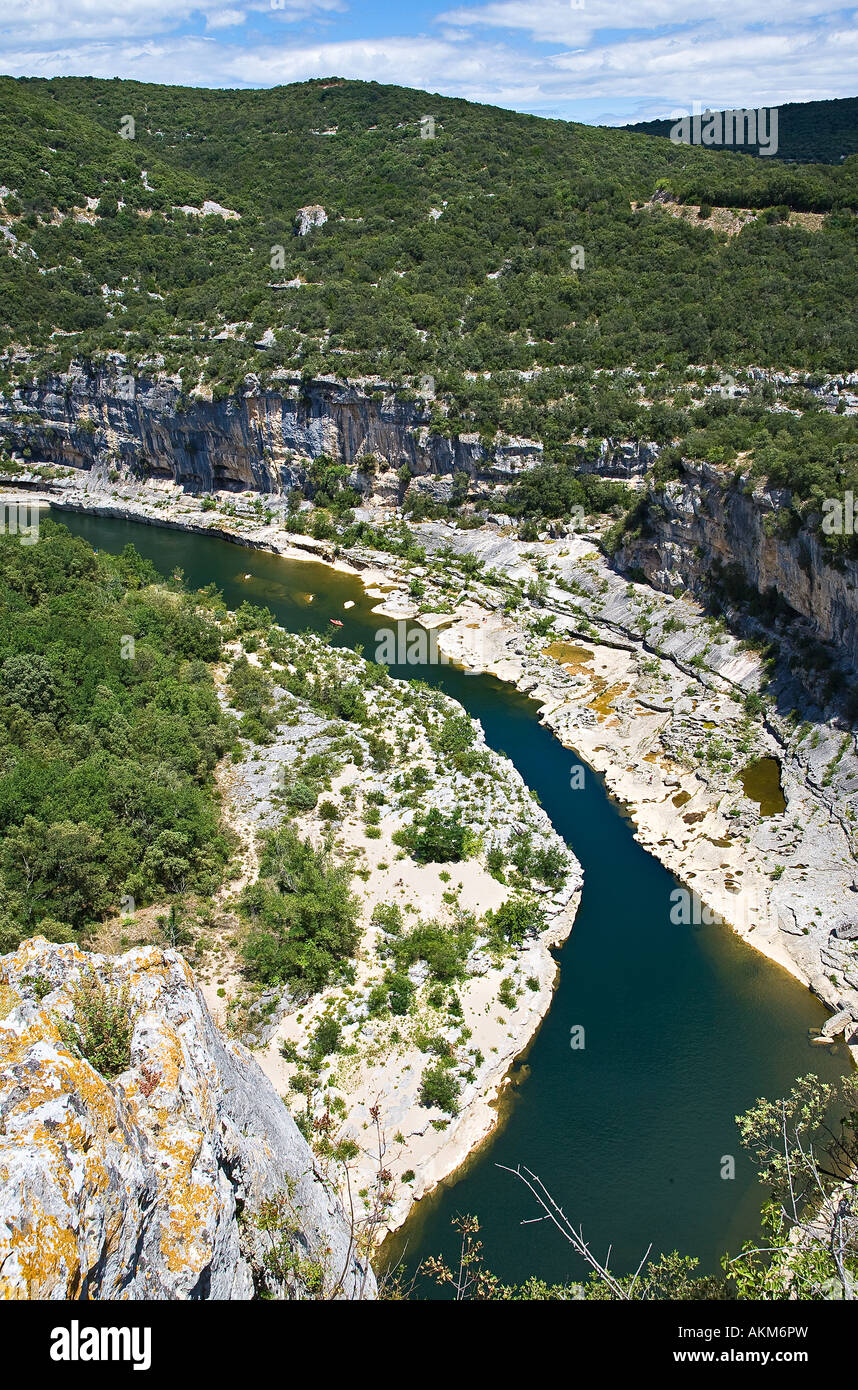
[(684, 1027)]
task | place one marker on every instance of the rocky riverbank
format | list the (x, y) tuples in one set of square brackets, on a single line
[(662, 701), (396, 1066)]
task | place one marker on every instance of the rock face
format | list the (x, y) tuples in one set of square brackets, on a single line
[(149, 1186), (622, 461), (104, 419), (700, 521)]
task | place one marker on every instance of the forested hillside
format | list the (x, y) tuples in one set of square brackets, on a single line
[(825, 132), (521, 275), (438, 255), (111, 730)]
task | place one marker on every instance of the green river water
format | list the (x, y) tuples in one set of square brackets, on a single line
[(684, 1026)]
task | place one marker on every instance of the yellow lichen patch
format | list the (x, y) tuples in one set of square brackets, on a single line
[(8, 1000), (184, 1242), (186, 1193), (187, 1200), (604, 701), (170, 1058), (74, 1126), (570, 656), (45, 1253), (16, 1043)]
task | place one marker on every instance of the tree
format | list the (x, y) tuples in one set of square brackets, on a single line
[(56, 871), (28, 682), (303, 915), (806, 1145)]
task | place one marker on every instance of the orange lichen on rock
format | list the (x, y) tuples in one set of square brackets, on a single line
[(127, 1186)]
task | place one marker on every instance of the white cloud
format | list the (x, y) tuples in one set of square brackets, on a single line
[(486, 52), (225, 19), (42, 22), (559, 21)]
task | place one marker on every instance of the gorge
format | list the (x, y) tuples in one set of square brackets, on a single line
[(704, 989), (428, 698)]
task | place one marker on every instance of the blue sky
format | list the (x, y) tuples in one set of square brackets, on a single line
[(589, 60)]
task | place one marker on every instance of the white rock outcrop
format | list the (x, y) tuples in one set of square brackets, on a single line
[(310, 217)]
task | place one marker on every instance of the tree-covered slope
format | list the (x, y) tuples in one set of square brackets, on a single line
[(439, 256), (824, 132), (110, 729)]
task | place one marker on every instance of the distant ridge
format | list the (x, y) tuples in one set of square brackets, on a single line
[(816, 132)]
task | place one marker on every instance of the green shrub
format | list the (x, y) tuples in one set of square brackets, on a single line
[(507, 994), (440, 839), (495, 860), (443, 949), (550, 865), (327, 1037), (400, 994), (300, 795), (102, 1025), (303, 916), (439, 1087), (388, 916), (516, 919)]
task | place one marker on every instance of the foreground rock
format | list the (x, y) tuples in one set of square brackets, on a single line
[(153, 1185)]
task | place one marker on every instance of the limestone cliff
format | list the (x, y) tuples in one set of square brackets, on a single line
[(150, 1185), (702, 521), (257, 439)]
